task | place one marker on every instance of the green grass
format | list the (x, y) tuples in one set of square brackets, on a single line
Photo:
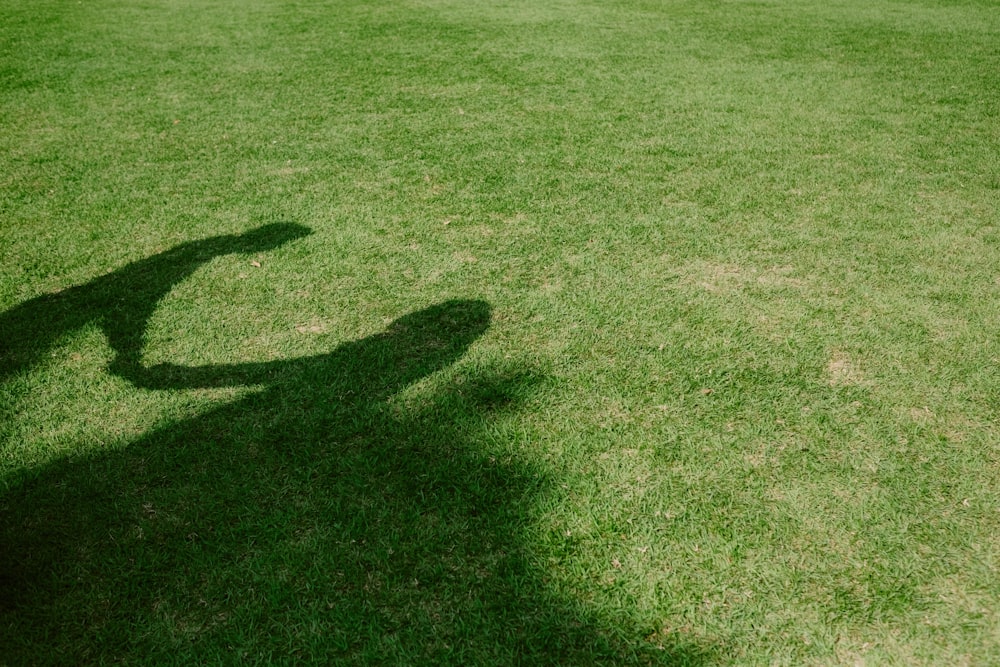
[(449, 332)]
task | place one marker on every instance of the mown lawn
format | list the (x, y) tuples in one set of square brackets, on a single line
[(459, 332)]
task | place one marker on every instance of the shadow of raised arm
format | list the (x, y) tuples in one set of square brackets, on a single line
[(121, 302)]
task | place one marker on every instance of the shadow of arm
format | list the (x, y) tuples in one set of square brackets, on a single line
[(172, 376)]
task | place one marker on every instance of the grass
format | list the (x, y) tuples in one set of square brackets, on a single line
[(438, 332)]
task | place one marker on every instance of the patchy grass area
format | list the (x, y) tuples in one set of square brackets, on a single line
[(450, 332)]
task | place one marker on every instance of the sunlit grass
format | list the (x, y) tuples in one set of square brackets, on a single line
[(632, 332)]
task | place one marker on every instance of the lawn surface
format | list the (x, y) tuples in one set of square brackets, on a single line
[(458, 332)]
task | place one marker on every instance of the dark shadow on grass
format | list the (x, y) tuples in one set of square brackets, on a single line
[(121, 302), (326, 518)]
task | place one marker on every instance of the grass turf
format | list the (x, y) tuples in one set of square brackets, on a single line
[(499, 333)]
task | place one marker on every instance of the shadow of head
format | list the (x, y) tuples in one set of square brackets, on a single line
[(411, 347), (416, 344), (451, 324), (267, 237), (261, 239)]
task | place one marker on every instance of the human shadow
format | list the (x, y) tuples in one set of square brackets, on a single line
[(345, 512), (121, 302)]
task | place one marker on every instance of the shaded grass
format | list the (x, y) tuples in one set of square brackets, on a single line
[(736, 397), (310, 515)]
